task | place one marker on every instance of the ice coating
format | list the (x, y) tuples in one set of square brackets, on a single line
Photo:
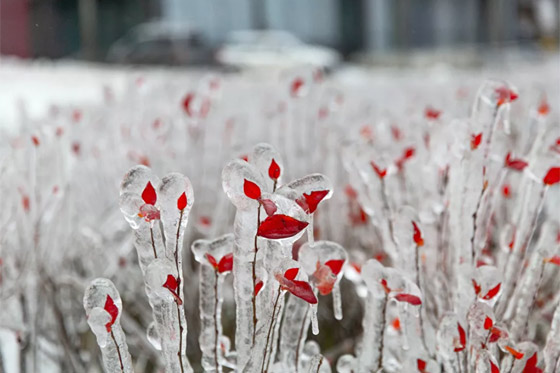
[(168, 314), (212, 254), (103, 307), (269, 162), (233, 179)]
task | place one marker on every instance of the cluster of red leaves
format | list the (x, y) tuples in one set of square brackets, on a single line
[(225, 264), (300, 289), (505, 95), (490, 294), (406, 155), (325, 275), (381, 172)]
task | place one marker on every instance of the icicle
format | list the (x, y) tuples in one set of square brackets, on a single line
[(337, 302)]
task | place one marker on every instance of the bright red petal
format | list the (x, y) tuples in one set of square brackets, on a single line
[(171, 283), (226, 263), (408, 298), (552, 176), (280, 226), (303, 290), (417, 235), (492, 292), (258, 287), (310, 201), (112, 310), (149, 194), (335, 265), (291, 273), (476, 139), (212, 261), (182, 201), (251, 190), (554, 260), (274, 170), (421, 365), (488, 323)]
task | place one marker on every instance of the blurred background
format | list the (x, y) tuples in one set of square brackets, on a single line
[(207, 32)]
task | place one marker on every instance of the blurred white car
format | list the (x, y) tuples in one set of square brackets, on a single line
[(161, 43), (272, 48)]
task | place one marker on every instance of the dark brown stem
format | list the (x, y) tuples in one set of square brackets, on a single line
[(380, 362), (269, 330), (474, 216), (274, 185), (216, 331), (320, 363), (179, 353), (254, 298), (176, 254), (118, 350), (153, 243)]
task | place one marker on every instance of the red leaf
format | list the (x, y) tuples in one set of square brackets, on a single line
[(408, 298), (516, 354), (187, 102), (396, 132), (35, 140), (554, 260), (226, 263), (476, 139), (531, 365), (384, 284), (505, 95), (506, 191), (417, 235), (492, 292), (112, 310), (149, 194), (182, 201), (544, 108), (335, 265), (296, 86), (380, 172), (269, 206), (488, 323), (495, 334), (212, 261), (408, 153), (280, 226), (462, 338), (291, 273), (172, 284), (476, 287), (432, 113), (396, 323), (274, 170), (251, 190), (303, 290), (494, 368), (421, 365), (309, 202), (552, 176), (258, 287), (515, 164)]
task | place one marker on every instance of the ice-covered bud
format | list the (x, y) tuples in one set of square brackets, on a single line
[(138, 196), (161, 281), (308, 191), (323, 261), (269, 163), (217, 253), (243, 184), (487, 282)]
